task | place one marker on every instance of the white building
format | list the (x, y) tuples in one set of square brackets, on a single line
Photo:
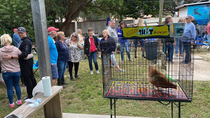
[(200, 11)]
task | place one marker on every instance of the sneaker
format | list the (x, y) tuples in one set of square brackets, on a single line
[(121, 70), (97, 71), (106, 72), (12, 105), (18, 102), (131, 60), (91, 72)]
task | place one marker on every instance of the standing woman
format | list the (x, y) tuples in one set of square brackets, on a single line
[(123, 43), (90, 50), (74, 54), (10, 69), (81, 39), (141, 41), (108, 46), (63, 56), (26, 65)]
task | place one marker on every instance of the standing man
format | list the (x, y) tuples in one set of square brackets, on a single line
[(26, 65), (168, 43), (16, 38), (196, 24), (112, 31), (52, 32), (188, 38)]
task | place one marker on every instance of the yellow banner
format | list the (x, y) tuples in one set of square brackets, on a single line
[(160, 31)]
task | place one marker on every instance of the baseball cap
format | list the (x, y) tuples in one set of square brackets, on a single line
[(15, 29), (21, 29), (189, 16), (50, 29)]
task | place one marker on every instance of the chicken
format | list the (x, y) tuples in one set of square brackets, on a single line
[(158, 79)]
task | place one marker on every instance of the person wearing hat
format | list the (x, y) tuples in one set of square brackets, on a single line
[(26, 65), (16, 38), (52, 32), (188, 38)]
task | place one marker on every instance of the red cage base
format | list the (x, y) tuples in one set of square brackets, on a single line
[(144, 91)]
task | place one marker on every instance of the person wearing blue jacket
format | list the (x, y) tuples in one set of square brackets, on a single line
[(123, 43), (16, 38), (63, 57), (188, 38)]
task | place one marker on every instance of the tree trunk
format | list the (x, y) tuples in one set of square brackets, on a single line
[(121, 17)]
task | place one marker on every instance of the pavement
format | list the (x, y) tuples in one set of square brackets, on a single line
[(72, 115), (201, 68)]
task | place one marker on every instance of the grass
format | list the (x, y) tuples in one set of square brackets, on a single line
[(85, 96)]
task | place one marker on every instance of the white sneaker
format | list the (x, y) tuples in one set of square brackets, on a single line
[(121, 70), (91, 72), (97, 71)]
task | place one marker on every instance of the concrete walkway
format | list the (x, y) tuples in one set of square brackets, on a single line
[(71, 115), (201, 68)]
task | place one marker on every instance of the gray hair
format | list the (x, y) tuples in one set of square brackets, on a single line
[(112, 20), (181, 19), (49, 33), (75, 35), (167, 19)]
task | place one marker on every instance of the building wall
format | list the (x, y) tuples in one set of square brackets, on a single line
[(183, 12)]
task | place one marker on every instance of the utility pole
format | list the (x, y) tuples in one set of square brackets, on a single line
[(40, 27), (160, 11)]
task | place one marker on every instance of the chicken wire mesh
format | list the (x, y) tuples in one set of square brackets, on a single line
[(147, 77)]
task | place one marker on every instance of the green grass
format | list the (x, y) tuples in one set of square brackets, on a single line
[(85, 96)]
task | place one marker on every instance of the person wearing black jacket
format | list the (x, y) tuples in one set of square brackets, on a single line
[(26, 65), (108, 46), (90, 50), (168, 43)]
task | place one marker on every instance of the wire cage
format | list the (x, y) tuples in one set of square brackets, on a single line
[(151, 76)]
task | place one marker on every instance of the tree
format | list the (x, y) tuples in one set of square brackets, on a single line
[(101, 9), (170, 5), (138, 8), (15, 13)]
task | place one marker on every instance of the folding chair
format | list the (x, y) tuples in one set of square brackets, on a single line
[(35, 68), (202, 44)]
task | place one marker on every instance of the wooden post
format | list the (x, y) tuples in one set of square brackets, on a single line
[(40, 28), (53, 108)]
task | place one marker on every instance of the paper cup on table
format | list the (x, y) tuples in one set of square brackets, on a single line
[(46, 81)]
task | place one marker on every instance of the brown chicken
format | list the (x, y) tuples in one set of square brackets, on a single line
[(158, 79)]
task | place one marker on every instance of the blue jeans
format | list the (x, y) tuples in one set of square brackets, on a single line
[(12, 79), (169, 47), (122, 50), (61, 68), (93, 55), (187, 48), (81, 51), (179, 46)]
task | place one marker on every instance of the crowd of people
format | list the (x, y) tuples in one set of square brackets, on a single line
[(17, 61)]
